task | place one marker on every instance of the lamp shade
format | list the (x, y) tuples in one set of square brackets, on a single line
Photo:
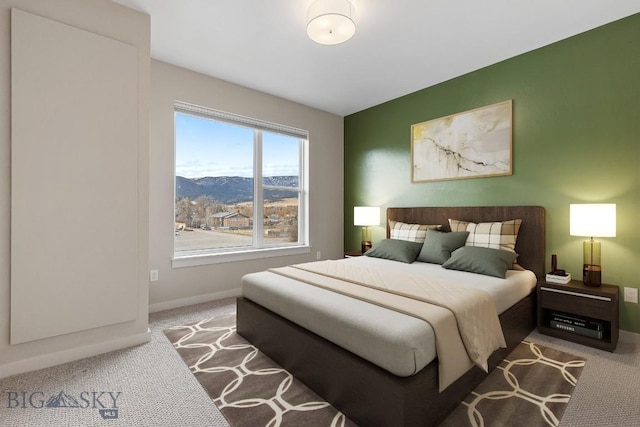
[(366, 215), (592, 220), (330, 21)]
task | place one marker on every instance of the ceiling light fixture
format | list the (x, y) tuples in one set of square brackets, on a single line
[(331, 21)]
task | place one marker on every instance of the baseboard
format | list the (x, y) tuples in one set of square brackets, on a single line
[(184, 302), (629, 337), (48, 360)]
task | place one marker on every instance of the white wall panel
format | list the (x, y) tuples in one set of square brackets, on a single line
[(74, 179)]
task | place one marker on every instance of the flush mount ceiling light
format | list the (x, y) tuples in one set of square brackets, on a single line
[(330, 21)]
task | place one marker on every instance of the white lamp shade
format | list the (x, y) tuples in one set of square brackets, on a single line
[(330, 21), (592, 220), (366, 215)]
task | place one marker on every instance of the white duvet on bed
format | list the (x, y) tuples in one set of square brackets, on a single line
[(397, 342), (505, 292)]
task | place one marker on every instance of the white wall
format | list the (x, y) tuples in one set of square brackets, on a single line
[(108, 19), (156, 180), (188, 285)]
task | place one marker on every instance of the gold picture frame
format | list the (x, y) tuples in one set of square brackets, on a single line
[(472, 144)]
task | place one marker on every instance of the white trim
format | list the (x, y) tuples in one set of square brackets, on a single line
[(48, 360), (184, 302), (209, 113), (258, 192), (243, 255)]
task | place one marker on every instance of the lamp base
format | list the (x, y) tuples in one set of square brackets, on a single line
[(366, 239), (592, 275)]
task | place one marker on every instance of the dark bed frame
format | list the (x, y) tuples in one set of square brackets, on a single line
[(367, 394)]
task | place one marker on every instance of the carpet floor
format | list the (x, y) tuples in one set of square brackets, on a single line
[(158, 388), (531, 387)]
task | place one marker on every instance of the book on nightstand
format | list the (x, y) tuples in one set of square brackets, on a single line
[(557, 278), (557, 275), (575, 320), (587, 332), (577, 324)]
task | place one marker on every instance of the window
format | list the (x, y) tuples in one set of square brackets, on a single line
[(239, 187)]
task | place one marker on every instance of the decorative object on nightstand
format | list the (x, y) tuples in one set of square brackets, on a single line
[(592, 220), (366, 216), (557, 275)]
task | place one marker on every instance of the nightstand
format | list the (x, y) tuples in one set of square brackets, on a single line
[(559, 304), (351, 254)]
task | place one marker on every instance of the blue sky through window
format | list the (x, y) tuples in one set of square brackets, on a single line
[(212, 148)]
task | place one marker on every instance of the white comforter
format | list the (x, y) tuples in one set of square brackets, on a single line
[(302, 310), (461, 317)]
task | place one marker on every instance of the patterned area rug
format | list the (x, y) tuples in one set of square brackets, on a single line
[(249, 388), (531, 387)]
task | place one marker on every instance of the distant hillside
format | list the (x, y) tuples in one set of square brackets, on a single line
[(231, 189)]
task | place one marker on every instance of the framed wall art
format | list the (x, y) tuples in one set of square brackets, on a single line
[(471, 144)]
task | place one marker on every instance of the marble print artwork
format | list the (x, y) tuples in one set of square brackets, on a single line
[(471, 144)]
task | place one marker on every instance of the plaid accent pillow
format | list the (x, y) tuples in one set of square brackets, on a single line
[(495, 235), (410, 232)]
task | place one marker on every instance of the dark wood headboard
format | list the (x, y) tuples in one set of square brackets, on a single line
[(530, 244)]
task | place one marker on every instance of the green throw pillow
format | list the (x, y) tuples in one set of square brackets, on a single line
[(487, 261), (438, 246), (396, 250)]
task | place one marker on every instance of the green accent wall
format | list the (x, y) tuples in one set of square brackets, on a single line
[(576, 139)]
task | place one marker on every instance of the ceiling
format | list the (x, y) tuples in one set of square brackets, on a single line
[(399, 47)]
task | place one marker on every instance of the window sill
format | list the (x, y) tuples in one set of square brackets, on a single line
[(243, 255)]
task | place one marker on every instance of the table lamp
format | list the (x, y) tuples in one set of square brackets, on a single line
[(366, 216), (592, 220)]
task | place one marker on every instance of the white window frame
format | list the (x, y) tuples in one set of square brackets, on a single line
[(258, 250)]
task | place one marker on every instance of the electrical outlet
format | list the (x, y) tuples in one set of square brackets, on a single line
[(153, 275), (631, 295), (318, 255)]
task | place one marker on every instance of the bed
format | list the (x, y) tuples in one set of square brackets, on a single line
[(367, 393)]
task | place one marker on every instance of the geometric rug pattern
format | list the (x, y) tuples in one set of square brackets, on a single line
[(249, 388), (531, 387)]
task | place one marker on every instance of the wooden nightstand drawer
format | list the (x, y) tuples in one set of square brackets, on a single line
[(595, 306)]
